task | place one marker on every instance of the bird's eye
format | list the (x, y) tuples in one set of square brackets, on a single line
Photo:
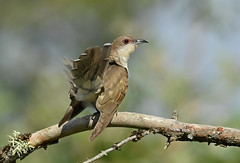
[(126, 41)]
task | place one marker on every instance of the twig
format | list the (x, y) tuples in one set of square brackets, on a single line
[(175, 115), (117, 146)]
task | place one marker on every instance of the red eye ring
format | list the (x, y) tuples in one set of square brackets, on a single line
[(126, 41)]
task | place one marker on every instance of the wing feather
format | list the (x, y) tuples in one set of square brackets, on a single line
[(115, 87), (85, 75)]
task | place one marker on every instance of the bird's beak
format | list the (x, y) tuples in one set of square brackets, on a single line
[(140, 41)]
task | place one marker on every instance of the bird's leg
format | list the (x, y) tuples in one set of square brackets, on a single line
[(97, 113), (116, 113)]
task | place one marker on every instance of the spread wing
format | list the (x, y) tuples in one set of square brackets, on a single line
[(115, 84), (85, 75)]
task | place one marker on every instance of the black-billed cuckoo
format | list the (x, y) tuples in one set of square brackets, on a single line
[(99, 78)]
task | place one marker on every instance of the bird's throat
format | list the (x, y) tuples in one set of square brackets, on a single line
[(121, 55)]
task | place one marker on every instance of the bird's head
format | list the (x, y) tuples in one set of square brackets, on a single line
[(122, 47), (125, 45)]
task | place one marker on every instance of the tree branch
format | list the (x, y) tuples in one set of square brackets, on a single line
[(172, 129), (137, 135)]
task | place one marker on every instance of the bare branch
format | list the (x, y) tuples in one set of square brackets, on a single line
[(172, 129), (134, 137)]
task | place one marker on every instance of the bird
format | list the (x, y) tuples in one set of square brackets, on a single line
[(99, 78)]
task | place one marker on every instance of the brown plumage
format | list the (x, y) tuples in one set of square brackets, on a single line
[(113, 94), (85, 75), (100, 78)]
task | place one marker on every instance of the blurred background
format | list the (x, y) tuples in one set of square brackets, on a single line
[(192, 64)]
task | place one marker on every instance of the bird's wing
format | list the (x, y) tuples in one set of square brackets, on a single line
[(115, 84), (85, 75)]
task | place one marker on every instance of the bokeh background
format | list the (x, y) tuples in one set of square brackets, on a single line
[(192, 63)]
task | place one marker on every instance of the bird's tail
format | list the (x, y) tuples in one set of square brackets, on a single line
[(71, 112), (102, 123)]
